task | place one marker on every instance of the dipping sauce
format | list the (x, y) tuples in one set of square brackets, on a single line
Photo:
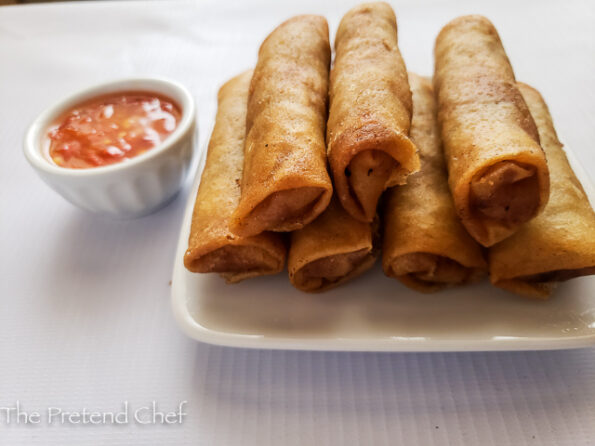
[(111, 129)]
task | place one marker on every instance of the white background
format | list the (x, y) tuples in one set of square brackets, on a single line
[(85, 317)]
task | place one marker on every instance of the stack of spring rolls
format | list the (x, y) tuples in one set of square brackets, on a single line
[(449, 179)]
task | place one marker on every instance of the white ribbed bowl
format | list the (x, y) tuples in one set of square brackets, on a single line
[(127, 189)]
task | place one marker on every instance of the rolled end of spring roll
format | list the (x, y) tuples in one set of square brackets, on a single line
[(425, 246), (212, 247), (369, 148), (557, 245), (285, 183), (498, 173), (331, 250)]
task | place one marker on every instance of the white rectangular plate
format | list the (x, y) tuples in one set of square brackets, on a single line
[(375, 313)]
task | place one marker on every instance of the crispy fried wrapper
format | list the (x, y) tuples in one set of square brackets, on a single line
[(331, 250), (212, 247), (425, 246), (370, 110), (285, 183), (560, 243), (498, 173)]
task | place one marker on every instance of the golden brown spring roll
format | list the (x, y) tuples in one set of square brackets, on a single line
[(286, 183), (560, 243), (212, 247), (425, 246), (331, 250), (370, 110), (498, 173)]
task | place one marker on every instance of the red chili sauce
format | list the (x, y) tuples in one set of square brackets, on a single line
[(111, 129)]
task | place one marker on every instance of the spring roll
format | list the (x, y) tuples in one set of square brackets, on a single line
[(212, 247), (560, 243), (425, 246), (498, 172), (370, 110), (331, 250), (285, 183)]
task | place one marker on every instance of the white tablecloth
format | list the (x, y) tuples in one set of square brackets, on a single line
[(85, 319)]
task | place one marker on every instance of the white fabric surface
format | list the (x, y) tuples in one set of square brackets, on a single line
[(85, 317)]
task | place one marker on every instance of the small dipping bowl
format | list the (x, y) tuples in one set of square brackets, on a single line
[(132, 188)]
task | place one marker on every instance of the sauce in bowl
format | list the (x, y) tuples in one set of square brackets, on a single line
[(111, 129)]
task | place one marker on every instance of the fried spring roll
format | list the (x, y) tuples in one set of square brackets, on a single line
[(425, 246), (560, 243), (498, 173), (212, 247), (370, 110), (285, 183), (331, 250)]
